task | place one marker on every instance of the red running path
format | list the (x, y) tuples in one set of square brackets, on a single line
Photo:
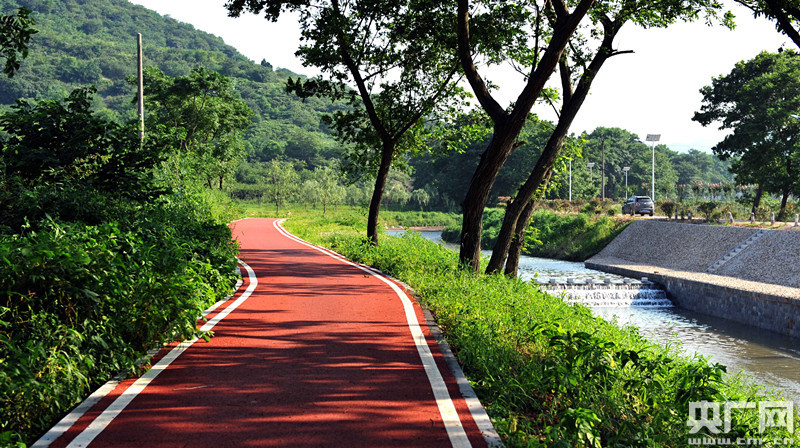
[(322, 353)]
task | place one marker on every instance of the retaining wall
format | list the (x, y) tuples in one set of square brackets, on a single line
[(757, 285)]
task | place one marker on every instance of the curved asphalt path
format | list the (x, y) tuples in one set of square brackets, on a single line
[(323, 353)]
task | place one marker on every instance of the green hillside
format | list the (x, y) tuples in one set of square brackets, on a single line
[(82, 42)]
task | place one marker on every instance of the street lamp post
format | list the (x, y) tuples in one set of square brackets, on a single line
[(603, 179), (653, 138), (590, 165), (626, 169)]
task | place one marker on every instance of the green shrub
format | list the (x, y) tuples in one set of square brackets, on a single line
[(98, 260), (452, 233), (787, 214), (81, 303), (668, 208), (708, 209), (763, 212)]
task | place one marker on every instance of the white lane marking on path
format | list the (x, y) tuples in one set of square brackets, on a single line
[(65, 423), (452, 422), (102, 421)]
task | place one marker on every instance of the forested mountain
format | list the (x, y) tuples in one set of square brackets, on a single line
[(85, 42)]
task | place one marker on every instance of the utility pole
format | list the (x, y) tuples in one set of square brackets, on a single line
[(603, 180), (139, 70), (626, 169)]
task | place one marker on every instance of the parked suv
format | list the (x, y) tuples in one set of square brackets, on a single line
[(642, 205)]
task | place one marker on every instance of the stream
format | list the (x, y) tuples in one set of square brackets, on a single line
[(769, 358)]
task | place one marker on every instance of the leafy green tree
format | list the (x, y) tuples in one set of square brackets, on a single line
[(702, 166), (358, 194), (281, 182), (420, 197), (642, 168), (65, 141), (329, 190), (309, 192), (206, 117), (622, 148), (15, 35), (397, 193), (223, 158), (757, 100), (62, 160), (397, 57)]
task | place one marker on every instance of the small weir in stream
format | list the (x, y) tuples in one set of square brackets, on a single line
[(604, 295)]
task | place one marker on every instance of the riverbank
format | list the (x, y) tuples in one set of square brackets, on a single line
[(743, 274), (548, 373), (563, 236)]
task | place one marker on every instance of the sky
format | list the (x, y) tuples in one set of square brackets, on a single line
[(655, 90)]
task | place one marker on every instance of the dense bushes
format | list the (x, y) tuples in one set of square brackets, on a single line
[(81, 303), (550, 374), (100, 259)]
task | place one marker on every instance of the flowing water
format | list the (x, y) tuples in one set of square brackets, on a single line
[(769, 358), (611, 294)]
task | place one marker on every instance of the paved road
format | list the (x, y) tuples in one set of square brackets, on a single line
[(323, 353)]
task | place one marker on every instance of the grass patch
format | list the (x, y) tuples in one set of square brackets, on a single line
[(549, 374)]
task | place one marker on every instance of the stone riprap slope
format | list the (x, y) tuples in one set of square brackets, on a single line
[(756, 284), (774, 258), (672, 245)]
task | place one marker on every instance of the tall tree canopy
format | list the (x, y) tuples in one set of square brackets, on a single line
[(396, 57), (758, 100)]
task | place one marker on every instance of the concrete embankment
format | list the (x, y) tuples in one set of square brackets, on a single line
[(742, 274)]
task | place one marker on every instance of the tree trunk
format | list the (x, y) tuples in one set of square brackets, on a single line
[(757, 199), (377, 193), (515, 251), (543, 169), (220, 182), (784, 20), (514, 210), (480, 187), (784, 199)]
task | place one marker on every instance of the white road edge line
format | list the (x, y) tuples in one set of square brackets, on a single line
[(101, 422), (452, 422)]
